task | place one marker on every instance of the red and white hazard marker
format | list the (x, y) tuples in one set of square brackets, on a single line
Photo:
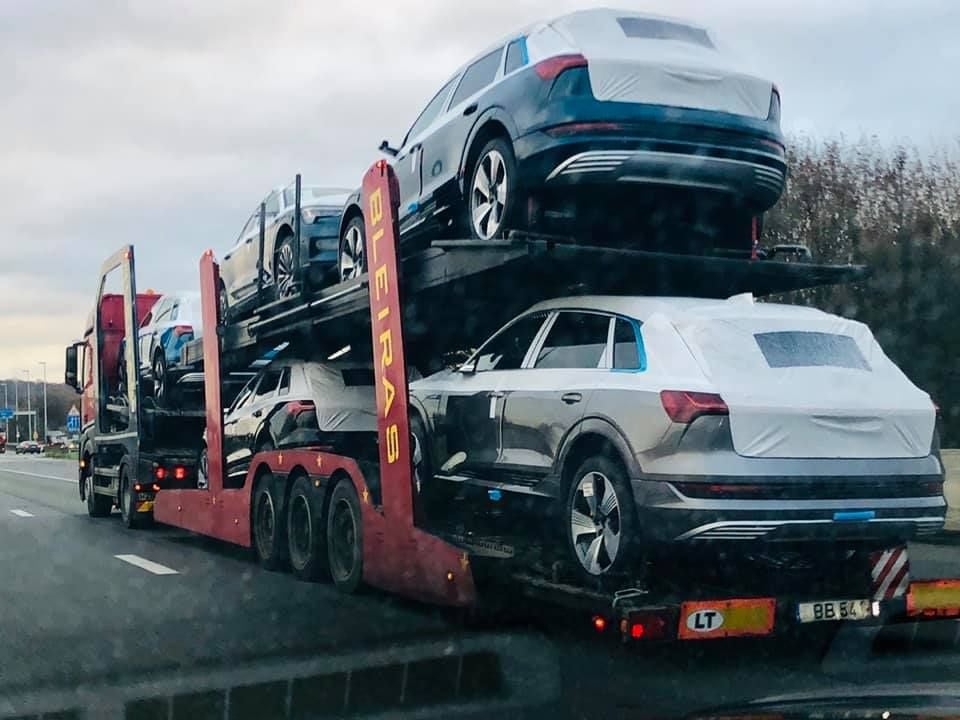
[(890, 571)]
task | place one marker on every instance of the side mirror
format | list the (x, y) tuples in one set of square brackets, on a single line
[(467, 369), (387, 150), (71, 375)]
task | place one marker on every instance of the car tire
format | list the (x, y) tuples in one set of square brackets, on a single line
[(599, 521), (98, 506), (161, 392), (285, 271), (269, 535), (492, 191), (223, 304), (352, 253), (306, 534), (345, 537), (434, 494)]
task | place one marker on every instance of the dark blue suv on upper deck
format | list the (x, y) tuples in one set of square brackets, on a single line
[(632, 105)]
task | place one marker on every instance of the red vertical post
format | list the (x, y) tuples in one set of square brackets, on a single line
[(380, 196), (209, 311)]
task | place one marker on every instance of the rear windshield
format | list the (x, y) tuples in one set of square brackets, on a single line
[(652, 29), (810, 349)]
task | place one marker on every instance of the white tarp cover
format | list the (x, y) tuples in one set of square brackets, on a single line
[(648, 59), (801, 383), (342, 407)]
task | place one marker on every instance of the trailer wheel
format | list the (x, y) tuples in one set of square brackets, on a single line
[(269, 538), (600, 519), (306, 535), (128, 503), (98, 506), (345, 537)]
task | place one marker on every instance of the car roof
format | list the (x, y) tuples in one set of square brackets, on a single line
[(588, 12), (642, 307)]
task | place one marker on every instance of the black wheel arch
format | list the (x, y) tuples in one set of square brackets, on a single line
[(494, 122), (352, 209), (594, 436)]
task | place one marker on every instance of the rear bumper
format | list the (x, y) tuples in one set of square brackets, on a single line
[(669, 516), (753, 172)]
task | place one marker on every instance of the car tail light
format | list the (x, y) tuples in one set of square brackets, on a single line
[(584, 127), (684, 407), (599, 623), (295, 407), (182, 330), (551, 67), (179, 472)]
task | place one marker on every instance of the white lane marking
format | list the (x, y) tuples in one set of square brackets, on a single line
[(48, 477), (148, 565), (21, 513)]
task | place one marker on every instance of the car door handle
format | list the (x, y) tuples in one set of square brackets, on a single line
[(571, 398), (248, 241), (470, 109), (257, 413), (496, 394)]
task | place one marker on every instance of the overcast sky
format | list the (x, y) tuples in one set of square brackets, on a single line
[(164, 122)]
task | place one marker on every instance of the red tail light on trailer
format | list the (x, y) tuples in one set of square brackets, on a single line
[(179, 472), (599, 623), (551, 67), (683, 406), (160, 473)]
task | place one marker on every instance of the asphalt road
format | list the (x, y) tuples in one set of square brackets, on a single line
[(82, 627)]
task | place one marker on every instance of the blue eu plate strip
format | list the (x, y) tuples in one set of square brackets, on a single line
[(851, 516)]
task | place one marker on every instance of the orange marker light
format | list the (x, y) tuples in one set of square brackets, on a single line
[(156, 488), (179, 472), (599, 623), (449, 576), (137, 488)]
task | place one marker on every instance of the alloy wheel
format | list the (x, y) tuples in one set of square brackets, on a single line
[(159, 378), (488, 197), (595, 523), (351, 254), (284, 272)]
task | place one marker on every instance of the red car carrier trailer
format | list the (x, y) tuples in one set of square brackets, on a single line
[(325, 513)]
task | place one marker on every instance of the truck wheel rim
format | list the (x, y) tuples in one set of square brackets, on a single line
[(351, 254), (301, 531), (595, 523), (284, 270), (343, 540), (488, 197), (265, 525)]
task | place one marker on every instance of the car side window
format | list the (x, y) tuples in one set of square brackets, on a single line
[(148, 318), (245, 395), (284, 388), (576, 340), (516, 56), (175, 311), (626, 347), (478, 76), (268, 384), (507, 349), (289, 197), (431, 111), (273, 204), (253, 224)]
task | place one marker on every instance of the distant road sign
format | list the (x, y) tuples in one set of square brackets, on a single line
[(6, 413), (73, 423)]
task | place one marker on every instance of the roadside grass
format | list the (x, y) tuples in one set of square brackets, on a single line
[(58, 454)]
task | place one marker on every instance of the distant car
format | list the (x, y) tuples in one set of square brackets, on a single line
[(298, 403), (170, 324), (600, 99), (638, 424), (28, 447), (285, 268)]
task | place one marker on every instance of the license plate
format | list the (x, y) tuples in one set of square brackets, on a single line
[(833, 610)]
